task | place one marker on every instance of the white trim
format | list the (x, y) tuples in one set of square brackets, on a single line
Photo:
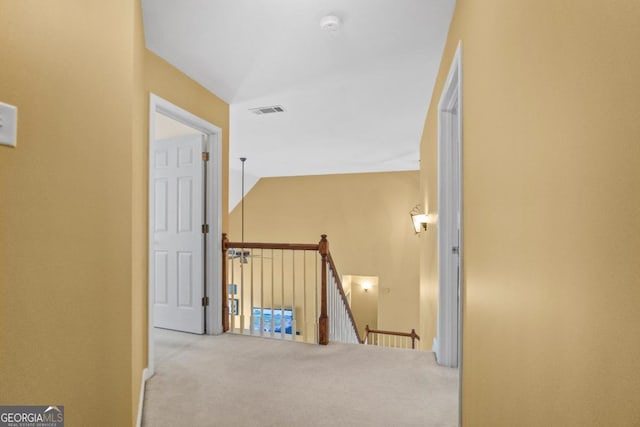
[(213, 318), (449, 308), (143, 384)]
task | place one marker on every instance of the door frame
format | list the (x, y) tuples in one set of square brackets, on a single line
[(213, 250), (449, 346)]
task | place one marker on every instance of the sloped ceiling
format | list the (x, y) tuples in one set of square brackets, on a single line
[(355, 99)]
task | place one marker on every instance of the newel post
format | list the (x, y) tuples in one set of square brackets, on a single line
[(323, 323), (413, 339), (225, 285)]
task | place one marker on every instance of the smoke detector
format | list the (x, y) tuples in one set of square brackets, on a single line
[(330, 23)]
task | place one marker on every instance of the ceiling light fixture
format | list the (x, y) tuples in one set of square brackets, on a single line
[(330, 23)]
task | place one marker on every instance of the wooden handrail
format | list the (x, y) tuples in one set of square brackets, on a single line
[(332, 265), (284, 246), (411, 334)]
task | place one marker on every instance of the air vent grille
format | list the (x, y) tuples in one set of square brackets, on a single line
[(267, 110)]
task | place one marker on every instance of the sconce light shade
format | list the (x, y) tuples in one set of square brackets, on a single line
[(419, 220), (366, 286)]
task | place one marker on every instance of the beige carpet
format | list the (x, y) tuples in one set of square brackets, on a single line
[(233, 380)]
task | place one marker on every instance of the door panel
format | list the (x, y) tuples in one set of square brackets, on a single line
[(161, 271), (178, 244)]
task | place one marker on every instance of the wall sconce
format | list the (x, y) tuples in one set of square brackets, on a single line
[(366, 286), (419, 219)]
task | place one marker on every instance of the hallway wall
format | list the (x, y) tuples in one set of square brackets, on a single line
[(65, 208), (73, 203), (551, 165)]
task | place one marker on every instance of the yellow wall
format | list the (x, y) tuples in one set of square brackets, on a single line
[(73, 203), (552, 214), (139, 276), (366, 217), (65, 208)]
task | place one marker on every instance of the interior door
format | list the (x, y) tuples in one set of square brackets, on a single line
[(449, 222), (178, 243)]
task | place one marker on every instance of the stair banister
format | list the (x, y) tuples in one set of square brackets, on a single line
[(323, 322), (341, 327)]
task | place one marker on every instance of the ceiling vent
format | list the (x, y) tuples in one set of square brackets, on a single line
[(267, 110)]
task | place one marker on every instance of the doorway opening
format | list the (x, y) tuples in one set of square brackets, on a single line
[(185, 223), (362, 295)]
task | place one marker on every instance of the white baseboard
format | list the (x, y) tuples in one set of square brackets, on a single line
[(146, 374)]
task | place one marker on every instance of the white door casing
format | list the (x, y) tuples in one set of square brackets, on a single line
[(213, 217), (178, 247), (448, 348)]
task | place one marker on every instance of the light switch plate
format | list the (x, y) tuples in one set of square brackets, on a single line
[(8, 124)]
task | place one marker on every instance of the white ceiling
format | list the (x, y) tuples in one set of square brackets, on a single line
[(355, 99)]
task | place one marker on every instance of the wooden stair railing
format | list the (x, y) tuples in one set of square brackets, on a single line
[(335, 320), (368, 331)]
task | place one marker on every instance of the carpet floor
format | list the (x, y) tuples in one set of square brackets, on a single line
[(240, 381)]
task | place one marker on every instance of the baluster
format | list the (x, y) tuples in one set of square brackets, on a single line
[(252, 317), (336, 302), (340, 316), (232, 313), (333, 316), (343, 329), (316, 308), (225, 283), (304, 295), (242, 315), (273, 301), (339, 308), (261, 293), (293, 295), (330, 303), (282, 320)]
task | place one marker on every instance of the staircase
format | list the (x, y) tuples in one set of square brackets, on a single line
[(292, 292)]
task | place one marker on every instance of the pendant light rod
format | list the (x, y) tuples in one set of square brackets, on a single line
[(242, 159)]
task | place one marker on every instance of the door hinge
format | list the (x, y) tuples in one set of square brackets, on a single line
[(205, 301), (205, 228), (205, 156)]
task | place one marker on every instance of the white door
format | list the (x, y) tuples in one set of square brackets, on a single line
[(177, 268)]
